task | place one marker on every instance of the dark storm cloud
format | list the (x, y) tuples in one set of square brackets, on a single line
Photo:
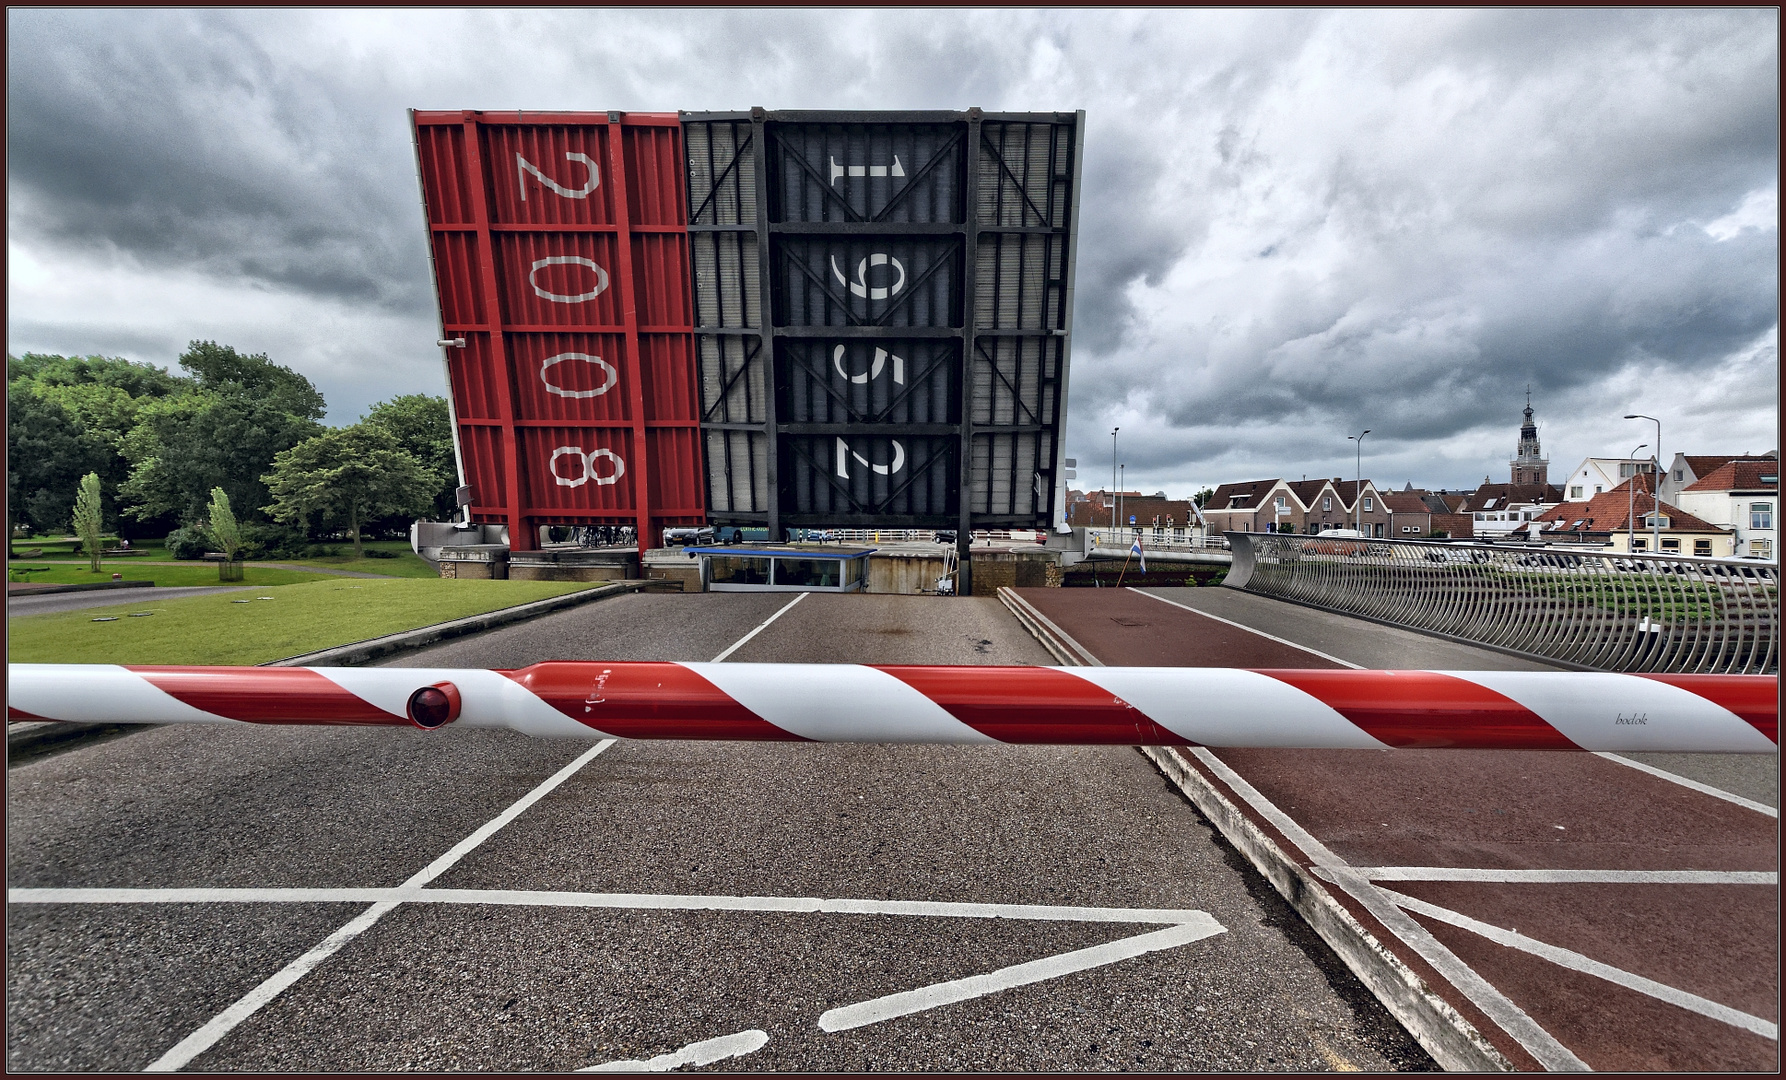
[(1294, 224), (175, 137)]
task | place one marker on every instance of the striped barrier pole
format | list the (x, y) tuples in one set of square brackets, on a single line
[(1219, 707)]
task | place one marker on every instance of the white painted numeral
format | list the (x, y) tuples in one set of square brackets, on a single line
[(523, 167), (839, 171), (601, 278), (612, 376), (881, 356), (844, 453), (860, 286), (586, 466)]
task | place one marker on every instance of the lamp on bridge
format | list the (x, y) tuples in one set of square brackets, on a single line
[(1656, 510), (1358, 471), (1113, 487)]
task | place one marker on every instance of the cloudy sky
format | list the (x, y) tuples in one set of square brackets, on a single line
[(1296, 224)]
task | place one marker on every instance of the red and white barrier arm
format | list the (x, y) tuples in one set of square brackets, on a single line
[(1320, 709)]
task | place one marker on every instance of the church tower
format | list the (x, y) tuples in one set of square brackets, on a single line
[(1530, 467)]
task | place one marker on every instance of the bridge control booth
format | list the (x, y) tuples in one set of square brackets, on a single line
[(796, 568)]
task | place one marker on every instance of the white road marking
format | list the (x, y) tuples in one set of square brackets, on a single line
[(1706, 789), (1250, 630), (705, 1052), (1541, 1044), (224, 1022), (947, 993), (1571, 877), (632, 901), (764, 625), (1577, 962)]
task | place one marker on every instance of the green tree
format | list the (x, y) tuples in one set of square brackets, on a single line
[(221, 525), (101, 397), (1202, 497), (422, 426), (45, 460), (89, 522), (242, 411), (347, 477)]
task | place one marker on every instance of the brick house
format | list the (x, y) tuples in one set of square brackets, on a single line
[(1373, 517), (1612, 517), (1098, 508), (1293, 506)]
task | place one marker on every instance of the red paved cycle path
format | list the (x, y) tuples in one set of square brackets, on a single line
[(1494, 812)]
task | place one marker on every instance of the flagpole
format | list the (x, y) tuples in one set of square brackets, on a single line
[(1133, 548)]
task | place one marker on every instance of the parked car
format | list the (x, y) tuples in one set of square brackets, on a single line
[(689, 535), (1330, 542)]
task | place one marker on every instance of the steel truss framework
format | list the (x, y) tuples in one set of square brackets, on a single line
[(883, 314)]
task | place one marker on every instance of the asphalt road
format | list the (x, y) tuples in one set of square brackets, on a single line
[(513, 979), (24, 604), (1572, 907)]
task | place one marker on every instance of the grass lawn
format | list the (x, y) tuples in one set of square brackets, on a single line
[(298, 619), (190, 573), (407, 564)]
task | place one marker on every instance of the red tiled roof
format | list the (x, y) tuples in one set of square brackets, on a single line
[(1610, 511), (1249, 492), (1740, 476), (1307, 491), (1345, 489), (1503, 494), (1405, 502), (1704, 465)]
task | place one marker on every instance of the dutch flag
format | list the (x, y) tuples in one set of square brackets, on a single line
[(1136, 551)]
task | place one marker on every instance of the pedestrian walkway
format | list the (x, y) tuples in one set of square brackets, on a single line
[(1577, 910)]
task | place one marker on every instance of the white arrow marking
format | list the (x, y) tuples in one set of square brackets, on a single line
[(705, 1052), (838, 171), (523, 167), (1053, 967)]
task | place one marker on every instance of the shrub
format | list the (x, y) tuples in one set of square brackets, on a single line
[(187, 542), (379, 553), (265, 540)]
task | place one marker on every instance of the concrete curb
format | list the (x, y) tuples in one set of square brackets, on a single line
[(1440, 1030), (1052, 637), (96, 586), (33, 739)]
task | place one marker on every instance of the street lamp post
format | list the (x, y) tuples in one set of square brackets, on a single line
[(1123, 470), (1630, 508), (1358, 472), (1656, 493), (1113, 488)]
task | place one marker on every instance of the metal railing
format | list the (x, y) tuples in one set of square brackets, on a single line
[(1153, 537), (1606, 611)]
